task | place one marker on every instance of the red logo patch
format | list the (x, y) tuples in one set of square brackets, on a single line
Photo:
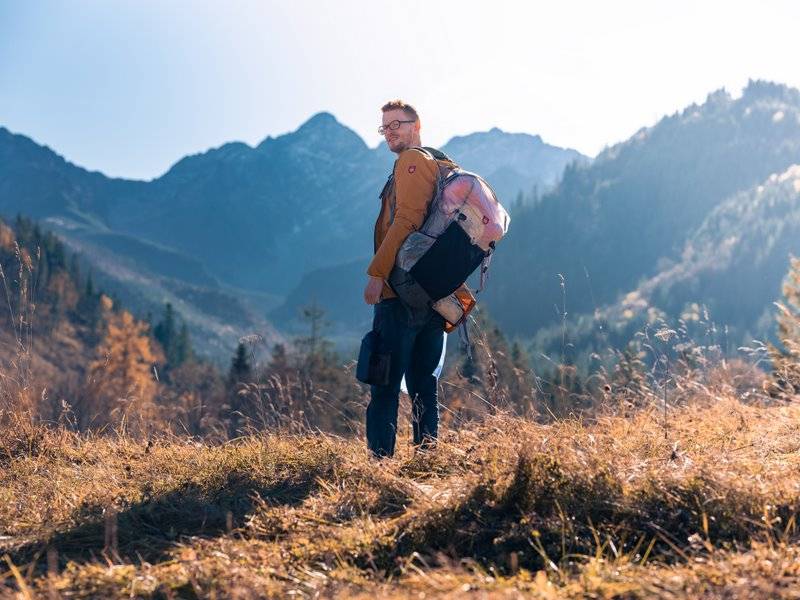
[(412, 168), (485, 220)]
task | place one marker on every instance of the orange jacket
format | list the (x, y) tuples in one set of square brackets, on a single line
[(404, 206)]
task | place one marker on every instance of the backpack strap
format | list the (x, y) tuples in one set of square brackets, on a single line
[(386, 187), (434, 153), (427, 151)]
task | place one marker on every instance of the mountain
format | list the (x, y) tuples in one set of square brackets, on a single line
[(39, 183), (734, 263), (626, 218), (628, 215), (239, 232), (227, 234), (721, 290), (260, 217), (78, 205), (512, 162)]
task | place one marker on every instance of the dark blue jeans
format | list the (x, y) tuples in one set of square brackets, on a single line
[(415, 349)]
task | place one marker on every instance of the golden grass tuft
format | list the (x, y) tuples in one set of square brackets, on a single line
[(503, 508)]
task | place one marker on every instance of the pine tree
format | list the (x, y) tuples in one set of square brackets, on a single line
[(88, 291), (89, 305), (196, 398), (535, 195), (241, 370), (498, 371), (164, 331), (240, 374), (43, 270), (519, 201), (75, 269), (314, 343), (308, 383), (174, 341)]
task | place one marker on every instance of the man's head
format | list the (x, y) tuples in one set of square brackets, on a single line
[(400, 126)]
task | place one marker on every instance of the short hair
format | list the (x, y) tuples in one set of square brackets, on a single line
[(404, 106)]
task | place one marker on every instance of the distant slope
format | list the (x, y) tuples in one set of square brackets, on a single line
[(720, 292), (240, 224), (77, 204), (615, 222), (339, 290), (260, 217), (37, 182), (512, 162), (146, 276), (734, 264), (627, 217)]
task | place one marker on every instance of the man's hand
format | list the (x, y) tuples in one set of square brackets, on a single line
[(372, 293)]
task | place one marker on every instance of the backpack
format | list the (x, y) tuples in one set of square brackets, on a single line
[(464, 222)]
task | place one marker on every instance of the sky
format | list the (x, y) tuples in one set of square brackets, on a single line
[(128, 87)]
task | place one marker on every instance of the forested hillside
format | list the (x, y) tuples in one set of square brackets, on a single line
[(629, 214), (240, 236), (630, 219)]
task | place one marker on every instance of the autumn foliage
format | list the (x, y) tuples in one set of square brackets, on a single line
[(121, 384)]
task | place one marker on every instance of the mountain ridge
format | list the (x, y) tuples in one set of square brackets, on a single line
[(626, 217), (609, 223), (243, 217)]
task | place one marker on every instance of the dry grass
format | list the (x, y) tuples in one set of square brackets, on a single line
[(505, 508)]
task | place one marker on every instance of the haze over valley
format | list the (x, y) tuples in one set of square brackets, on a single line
[(239, 238)]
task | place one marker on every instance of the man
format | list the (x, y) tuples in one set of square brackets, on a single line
[(415, 345)]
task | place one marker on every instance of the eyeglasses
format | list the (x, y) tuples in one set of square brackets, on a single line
[(393, 125)]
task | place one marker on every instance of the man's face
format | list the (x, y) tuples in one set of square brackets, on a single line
[(401, 138)]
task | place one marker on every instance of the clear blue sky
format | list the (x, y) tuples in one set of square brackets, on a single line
[(128, 87)]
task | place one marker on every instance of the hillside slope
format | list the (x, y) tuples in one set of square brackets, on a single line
[(735, 262), (610, 224)]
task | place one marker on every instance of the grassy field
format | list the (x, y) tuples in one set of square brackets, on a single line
[(506, 508)]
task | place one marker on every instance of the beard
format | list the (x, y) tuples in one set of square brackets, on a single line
[(398, 145)]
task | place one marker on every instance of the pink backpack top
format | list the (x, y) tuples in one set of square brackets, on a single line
[(464, 222), (464, 193)]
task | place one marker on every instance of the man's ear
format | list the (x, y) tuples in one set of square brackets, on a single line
[(417, 125)]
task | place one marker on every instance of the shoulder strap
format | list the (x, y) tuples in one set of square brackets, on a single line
[(434, 153), (385, 190), (387, 185)]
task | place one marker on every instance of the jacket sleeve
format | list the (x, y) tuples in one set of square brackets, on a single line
[(415, 180)]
